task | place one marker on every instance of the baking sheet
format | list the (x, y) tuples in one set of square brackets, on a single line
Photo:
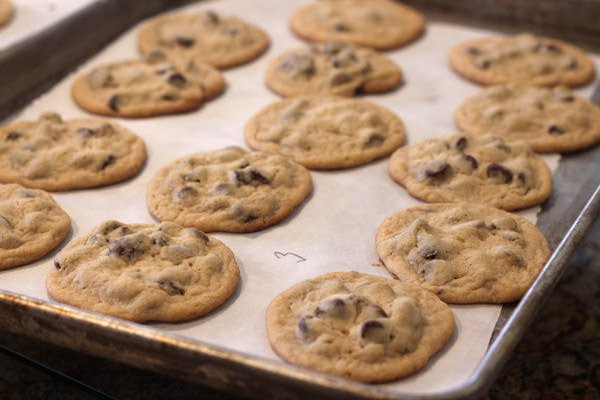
[(335, 228), (32, 16)]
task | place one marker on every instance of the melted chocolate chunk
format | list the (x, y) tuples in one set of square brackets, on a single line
[(461, 143), (13, 136), (302, 325), (298, 64), (159, 239), (171, 287), (472, 160), (113, 102), (573, 64), (436, 169), (110, 159), (522, 178), (57, 264), (331, 308), (495, 170), (185, 42), (249, 218), (483, 64), (554, 129), (84, 132), (248, 176), (375, 140), (341, 27), (177, 80), (125, 247), (373, 330), (186, 191)]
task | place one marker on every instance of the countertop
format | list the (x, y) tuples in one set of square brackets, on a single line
[(559, 358)]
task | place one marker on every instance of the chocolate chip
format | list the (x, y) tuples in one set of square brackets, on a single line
[(185, 42), (428, 252), (483, 64), (191, 177), (568, 98), (554, 129), (473, 51), (298, 64), (212, 16), (249, 218), (374, 331), (84, 132), (495, 170), (186, 191), (552, 48), (13, 136), (171, 288), (110, 159), (436, 169), (177, 80), (335, 307), (522, 178), (339, 78), (472, 160), (249, 175), (461, 143), (159, 239), (302, 325), (125, 247), (113, 102), (375, 140), (229, 31), (341, 27), (57, 264)]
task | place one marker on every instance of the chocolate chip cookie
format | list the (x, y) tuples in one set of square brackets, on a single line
[(146, 88), (550, 120), (522, 58), (143, 272), (331, 69), (377, 24), (473, 168), (326, 132), (359, 326), (31, 225), (463, 252), (217, 40), (228, 190), (56, 154)]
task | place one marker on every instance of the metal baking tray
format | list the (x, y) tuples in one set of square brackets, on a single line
[(574, 205)]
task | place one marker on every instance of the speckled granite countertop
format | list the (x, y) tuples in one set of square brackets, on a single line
[(559, 358)]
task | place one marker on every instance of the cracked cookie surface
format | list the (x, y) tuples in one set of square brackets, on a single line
[(146, 88), (228, 190), (363, 327), (144, 272), (326, 132), (378, 24), (220, 41), (331, 69), (31, 225), (56, 154), (472, 168), (550, 120), (464, 253), (522, 58)]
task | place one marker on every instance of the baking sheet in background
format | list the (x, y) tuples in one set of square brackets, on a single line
[(335, 228), (32, 16)]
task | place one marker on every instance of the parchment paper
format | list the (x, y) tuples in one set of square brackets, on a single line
[(333, 231), (32, 16)]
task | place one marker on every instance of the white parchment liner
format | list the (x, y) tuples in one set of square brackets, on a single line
[(334, 230)]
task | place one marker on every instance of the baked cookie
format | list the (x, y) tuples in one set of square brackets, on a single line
[(473, 168), (148, 88), (326, 132), (220, 41), (463, 252), (31, 225), (143, 272), (6, 11), (363, 327), (228, 190), (522, 58), (377, 24), (56, 154), (550, 120), (331, 69)]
